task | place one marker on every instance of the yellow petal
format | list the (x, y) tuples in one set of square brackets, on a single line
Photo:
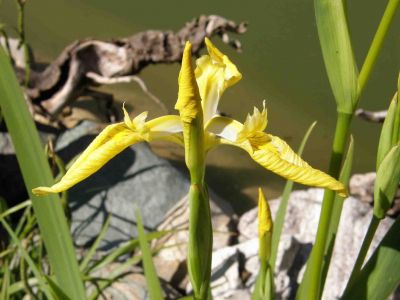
[(214, 74), (224, 127), (166, 128), (271, 152), (278, 157), (111, 141), (254, 126), (264, 215), (137, 124), (189, 102)]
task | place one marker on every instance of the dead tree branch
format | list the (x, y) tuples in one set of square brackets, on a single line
[(88, 63), (372, 116)]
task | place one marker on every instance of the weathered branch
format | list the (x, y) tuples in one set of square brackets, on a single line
[(88, 63), (372, 116)]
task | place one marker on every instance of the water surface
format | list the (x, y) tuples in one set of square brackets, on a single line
[(281, 62)]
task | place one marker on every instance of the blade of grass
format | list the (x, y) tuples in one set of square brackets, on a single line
[(310, 285), (376, 44), (124, 249), (36, 172), (337, 211), (115, 274), (95, 245), (28, 259), (4, 293), (56, 290), (19, 286), (153, 283), (280, 215), (380, 276), (15, 208)]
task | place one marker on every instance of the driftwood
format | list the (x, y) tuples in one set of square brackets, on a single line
[(88, 63), (372, 116)]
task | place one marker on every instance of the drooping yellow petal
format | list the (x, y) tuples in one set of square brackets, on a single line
[(270, 151), (111, 141), (214, 74), (264, 215), (279, 158), (189, 102)]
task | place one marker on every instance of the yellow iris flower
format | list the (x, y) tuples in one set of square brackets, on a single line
[(199, 93)]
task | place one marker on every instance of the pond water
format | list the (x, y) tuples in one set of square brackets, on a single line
[(281, 62)]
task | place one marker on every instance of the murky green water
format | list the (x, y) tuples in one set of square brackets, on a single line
[(281, 62)]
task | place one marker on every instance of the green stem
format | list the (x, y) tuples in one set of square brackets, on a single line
[(200, 241), (376, 45), (314, 267), (21, 31), (373, 226)]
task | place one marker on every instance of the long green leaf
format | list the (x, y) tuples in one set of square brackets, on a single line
[(56, 290), (126, 248), (153, 283), (386, 183), (337, 210), (5, 283), (36, 172), (380, 276), (15, 208), (92, 250), (386, 140), (281, 213), (337, 51)]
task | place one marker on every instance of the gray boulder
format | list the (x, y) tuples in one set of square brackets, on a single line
[(298, 235), (134, 178)]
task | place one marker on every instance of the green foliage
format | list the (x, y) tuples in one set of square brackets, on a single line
[(153, 283), (36, 172), (337, 210), (387, 181), (337, 51), (380, 276), (389, 132)]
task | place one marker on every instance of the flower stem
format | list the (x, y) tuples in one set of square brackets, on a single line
[(373, 226), (200, 241), (21, 31), (376, 45), (309, 288)]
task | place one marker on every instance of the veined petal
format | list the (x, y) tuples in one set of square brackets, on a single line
[(111, 141), (214, 74), (167, 128), (273, 154), (278, 157), (136, 124), (254, 124), (224, 127), (189, 100)]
